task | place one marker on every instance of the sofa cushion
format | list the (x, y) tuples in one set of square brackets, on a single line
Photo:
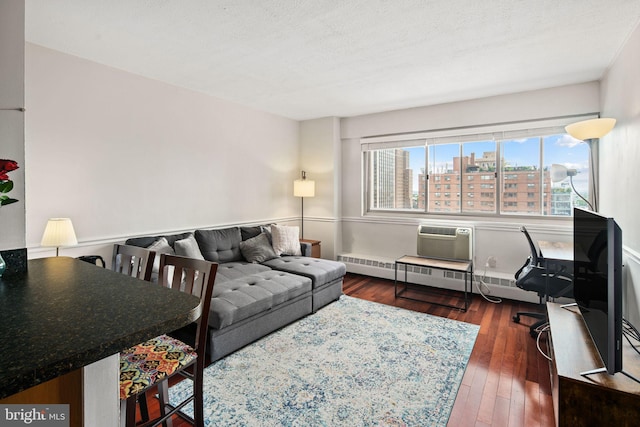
[(188, 248), (257, 249), (145, 242), (220, 245), (248, 232), (285, 240), (235, 300), (236, 270), (320, 271)]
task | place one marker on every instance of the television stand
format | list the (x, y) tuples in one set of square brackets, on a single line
[(600, 398)]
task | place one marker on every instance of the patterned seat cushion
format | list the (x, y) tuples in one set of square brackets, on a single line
[(142, 365)]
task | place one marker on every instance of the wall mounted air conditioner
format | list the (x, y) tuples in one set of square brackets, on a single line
[(445, 242)]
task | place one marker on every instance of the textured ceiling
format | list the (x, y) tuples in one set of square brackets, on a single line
[(314, 58)]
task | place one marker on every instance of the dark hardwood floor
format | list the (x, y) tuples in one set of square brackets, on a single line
[(506, 382)]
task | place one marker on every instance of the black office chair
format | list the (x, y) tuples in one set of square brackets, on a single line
[(534, 276)]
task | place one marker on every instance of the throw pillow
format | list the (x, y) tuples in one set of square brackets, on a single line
[(188, 248), (285, 240), (257, 249), (160, 246)]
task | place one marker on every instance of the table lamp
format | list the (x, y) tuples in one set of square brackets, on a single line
[(59, 232)]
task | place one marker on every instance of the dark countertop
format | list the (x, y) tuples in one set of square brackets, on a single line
[(64, 314)]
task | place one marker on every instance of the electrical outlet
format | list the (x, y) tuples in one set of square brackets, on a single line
[(492, 262)]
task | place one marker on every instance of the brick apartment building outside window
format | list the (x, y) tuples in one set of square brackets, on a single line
[(493, 177)]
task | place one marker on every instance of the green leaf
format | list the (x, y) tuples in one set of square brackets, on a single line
[(4, 200), (6, 186)]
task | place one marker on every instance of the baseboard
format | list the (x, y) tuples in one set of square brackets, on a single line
[(497, 284)]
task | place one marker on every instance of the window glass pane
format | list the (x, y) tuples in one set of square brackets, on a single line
[(482, 177), (574, 155), (444, 178), (478, 171), (394, 177), (521, 191)]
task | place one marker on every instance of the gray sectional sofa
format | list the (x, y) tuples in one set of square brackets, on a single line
[(253, 299)]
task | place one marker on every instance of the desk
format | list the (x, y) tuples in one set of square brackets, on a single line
[(465, 267), (561, 251), (64, 314)]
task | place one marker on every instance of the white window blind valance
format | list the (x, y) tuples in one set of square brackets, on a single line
[(497, 132)]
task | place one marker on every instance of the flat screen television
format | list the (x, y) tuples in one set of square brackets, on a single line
[(597, 284)]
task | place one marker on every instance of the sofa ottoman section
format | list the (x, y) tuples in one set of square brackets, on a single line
[(237, 306), (237, 270), (326, 276)]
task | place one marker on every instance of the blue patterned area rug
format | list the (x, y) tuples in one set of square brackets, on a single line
[(353, 363)]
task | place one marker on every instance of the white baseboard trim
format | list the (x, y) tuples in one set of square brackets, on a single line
[(498, 285)]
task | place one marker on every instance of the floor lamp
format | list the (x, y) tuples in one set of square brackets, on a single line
[(59, 232), (560, 173), (303, 188), (589, 131)]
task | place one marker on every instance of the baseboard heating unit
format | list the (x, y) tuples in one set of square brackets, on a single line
[(445, 242)]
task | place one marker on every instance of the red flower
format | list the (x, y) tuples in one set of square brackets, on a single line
[(5, 167)]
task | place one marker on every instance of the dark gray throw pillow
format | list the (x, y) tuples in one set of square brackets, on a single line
[(257, 249)]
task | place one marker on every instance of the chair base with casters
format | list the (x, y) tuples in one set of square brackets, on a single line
[(533, 329), (153, 362)]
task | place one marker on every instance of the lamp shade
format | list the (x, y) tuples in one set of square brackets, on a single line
[(561, 172), (59, 232), (590, 129), (304, 188)]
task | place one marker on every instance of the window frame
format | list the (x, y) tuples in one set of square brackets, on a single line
[(500, 133)]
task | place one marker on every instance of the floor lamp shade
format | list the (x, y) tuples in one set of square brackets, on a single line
[(59, 232), (590, 129), (303, 188)]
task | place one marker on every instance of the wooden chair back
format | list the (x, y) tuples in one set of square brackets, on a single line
[(133, 261), (195, 277)]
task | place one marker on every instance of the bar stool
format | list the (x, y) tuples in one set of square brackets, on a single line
[(155, 361)]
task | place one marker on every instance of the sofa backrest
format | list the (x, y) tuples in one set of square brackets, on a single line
[(145, 242), (220, 245)]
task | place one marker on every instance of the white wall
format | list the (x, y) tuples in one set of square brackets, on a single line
[(12, 217), (320, 157), (390, 238), (124, 155), (620, 160)]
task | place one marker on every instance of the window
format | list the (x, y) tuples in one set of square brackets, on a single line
[(478, 160), (441, 168), (513, 173), (395, 178)]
